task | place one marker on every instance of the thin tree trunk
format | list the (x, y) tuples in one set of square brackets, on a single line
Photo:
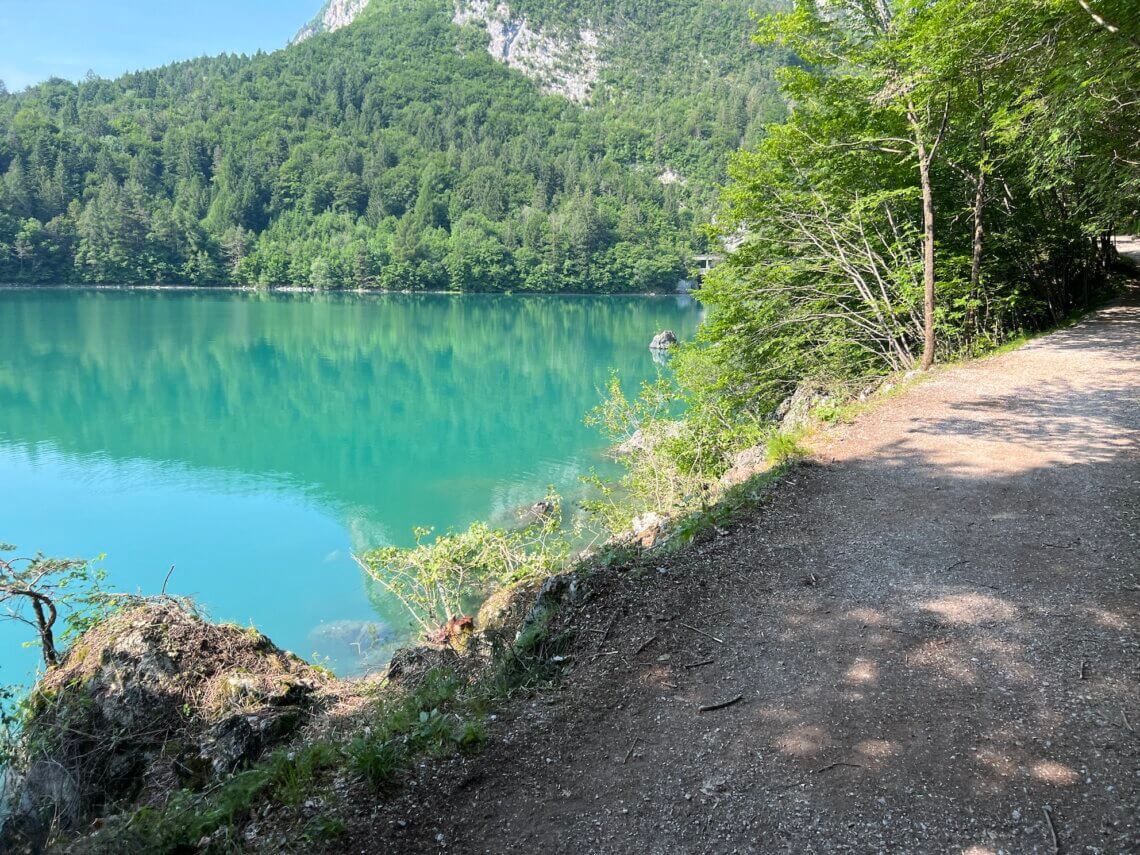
[(1112, 28), (927, 243), (44, 625), (979, 209), (927, 264)]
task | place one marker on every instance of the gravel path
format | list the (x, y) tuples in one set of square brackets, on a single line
[(932, 630)]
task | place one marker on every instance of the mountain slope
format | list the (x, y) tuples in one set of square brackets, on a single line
[(333, 15), (396, 152)]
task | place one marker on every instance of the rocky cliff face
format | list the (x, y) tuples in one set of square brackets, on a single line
[(566, 65), (334, 15)]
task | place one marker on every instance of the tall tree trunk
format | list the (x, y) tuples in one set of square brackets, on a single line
[(927, 242), (979, 209)]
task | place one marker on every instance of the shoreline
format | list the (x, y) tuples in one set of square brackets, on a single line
[(299, 289)]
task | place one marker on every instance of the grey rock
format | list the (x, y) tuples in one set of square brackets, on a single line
[(743, 465), (234, 742), (795, 411), (48, 797), (664, 340)]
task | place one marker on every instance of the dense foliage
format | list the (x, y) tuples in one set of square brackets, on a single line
[(395, 153), (949, 177)]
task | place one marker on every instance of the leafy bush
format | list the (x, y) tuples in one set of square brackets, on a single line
[(440, 581), (672, 446)]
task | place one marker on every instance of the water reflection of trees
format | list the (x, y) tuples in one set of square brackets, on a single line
[(357, 399)]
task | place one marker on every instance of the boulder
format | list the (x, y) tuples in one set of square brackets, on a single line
[(664, 340), (46, 797), (795, 411), (642, 441), (147, 686), (744, 464), (505, 608), (409, 665), (555, 590), (538, 513), (649, 529), (239, 739)]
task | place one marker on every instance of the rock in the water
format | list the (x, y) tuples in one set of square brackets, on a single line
[(363, 642), (664, 340), (642, 441), (539, 512), (636, 442)]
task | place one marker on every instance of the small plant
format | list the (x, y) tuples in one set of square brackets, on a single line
[(44, 586), (439, 580), (784, 448), (380, 763), (324, 828), (672, 446)]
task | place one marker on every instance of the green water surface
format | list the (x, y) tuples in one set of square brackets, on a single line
[(255, 441)]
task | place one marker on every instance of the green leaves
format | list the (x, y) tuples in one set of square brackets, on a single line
[(439, 581), (1018, 108), (358, 159)]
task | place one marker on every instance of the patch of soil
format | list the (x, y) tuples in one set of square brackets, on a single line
[(925, 641)]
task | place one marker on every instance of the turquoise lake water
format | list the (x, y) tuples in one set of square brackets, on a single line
[(255, 441)]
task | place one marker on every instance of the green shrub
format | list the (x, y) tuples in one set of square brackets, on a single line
[(441, 580)]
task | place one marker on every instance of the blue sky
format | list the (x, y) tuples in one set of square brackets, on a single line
[(65, 38)]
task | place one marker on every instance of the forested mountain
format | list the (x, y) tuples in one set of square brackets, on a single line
[(544, 145)]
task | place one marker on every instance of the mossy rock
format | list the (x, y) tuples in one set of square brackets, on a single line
[(154, 684)]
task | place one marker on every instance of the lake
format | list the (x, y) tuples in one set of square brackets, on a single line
[(255, 441)]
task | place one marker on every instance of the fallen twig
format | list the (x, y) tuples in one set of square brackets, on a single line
[(699, 664), (1124, 718), (1058, 545), (1052, 829), (604, 653), (702, 632), (835, 765), (722, 704), (609, 627), (957, 564), (629, 753), (982, 584), (645, 644)]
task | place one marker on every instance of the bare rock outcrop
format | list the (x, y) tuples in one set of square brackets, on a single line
[(152, 694), (566, 64), (333, 16)]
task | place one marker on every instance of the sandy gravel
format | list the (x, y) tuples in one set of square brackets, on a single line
[(932, 629)]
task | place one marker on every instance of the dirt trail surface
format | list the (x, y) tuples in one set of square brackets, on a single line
[(932, 630)]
